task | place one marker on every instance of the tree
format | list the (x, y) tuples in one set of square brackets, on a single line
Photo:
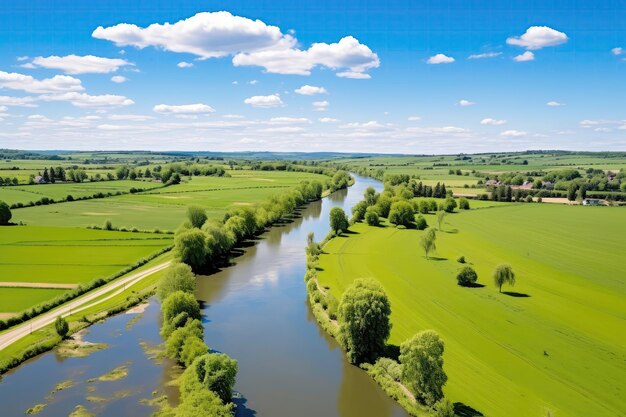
[(371, 217), (52, 175), (202, 403), (467, 276), (358, 211), (444, 408), (383, 205), (197, 216), (401, 213), (421, 358), (180, 336), (582, 192), (5, 213), (449, 205), (46, 176), (370, 196), (61, 326), (421, 223), (440, 216), (364, 324), (180, 302), (190, 248), (192, 349), (427, 241), (213, 371), (178, 277), (503, 275), (464, 203), (338, 220), (571, 192)]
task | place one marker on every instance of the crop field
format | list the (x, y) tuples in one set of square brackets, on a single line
[(165, 208), (51, 255), (14, 300), (26, 193), (552, 343)]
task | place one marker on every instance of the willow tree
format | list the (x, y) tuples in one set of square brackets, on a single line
[(503, 275), (427, 241)]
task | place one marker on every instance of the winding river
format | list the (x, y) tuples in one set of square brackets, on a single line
[(256, 311)]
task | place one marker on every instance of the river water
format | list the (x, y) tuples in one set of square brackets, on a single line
[(256, 311)]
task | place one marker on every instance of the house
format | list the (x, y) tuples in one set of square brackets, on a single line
[(527, 185), (592, 202), (493, 183), (39, 180)]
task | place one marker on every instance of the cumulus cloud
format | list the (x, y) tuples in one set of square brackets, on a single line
[(438, 131), (526, 56), (513, 133), (440, 59), (554, 104), (484, 55), (309, 90), (538, 37), (17, 101), (371, 125), (85, 100), (327, 120), (131, 117), (273, 100), (196, 108), (74, 64), (184, 64), (321, 105), (288, 120), (58, 83), (414, 118), (492, 122), (617, 51), (465, 103), (250, 42), (118, 79)]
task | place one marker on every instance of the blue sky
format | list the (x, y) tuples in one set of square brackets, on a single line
[(384, 76)]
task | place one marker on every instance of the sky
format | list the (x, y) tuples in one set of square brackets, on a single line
[(417, 77)]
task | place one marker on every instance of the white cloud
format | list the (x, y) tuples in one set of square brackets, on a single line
[(283, 129), (74, 64), (554, 104), (321, 105), (492, 122), (58, 83), (252, 82), (440, 59), (196, 108), (537, 37), (250, 42), (414, 118), (526, 56), (589, 123), (184, 64), (288, 120), (118, 79), (327, 120), (17, 101), (309, 90), (438, 131), (273, 100), (39, 118), (22, 58), (86, 100), (617, 51), (484, 55), (130, 117), (465, 103), (513, 133)]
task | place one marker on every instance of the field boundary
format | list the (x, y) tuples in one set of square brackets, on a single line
[(42, 285)]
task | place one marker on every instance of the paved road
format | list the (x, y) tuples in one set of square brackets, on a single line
[(78, 304)]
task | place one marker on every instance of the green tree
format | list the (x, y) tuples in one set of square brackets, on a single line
[(196, 215), (401, 213), (440, 216), (177, 277), (370, 196), (467, 276), (449, 205), (421, 358), (181, 335), (202, 403), (371, 217), (503, 275), (190, 247), (427, 241), (358, 211), (338, 220), (213, 371), (464, 203), (364, 324), (383, 205), (421, 223), (571, 191), (192, 349), (5, 213), (180, 302), (444, 408), (61, 327)]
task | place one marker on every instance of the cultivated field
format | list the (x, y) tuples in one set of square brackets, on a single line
[(554, 343)]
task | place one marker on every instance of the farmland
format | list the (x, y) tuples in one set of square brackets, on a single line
[(553, 343)]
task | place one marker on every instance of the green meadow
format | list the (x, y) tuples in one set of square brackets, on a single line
[(164, 208), (553, 343), (71, 255), (14, 300)]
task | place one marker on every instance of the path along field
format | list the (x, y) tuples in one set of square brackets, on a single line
[(34, 254), (556, 343), (165, 208)]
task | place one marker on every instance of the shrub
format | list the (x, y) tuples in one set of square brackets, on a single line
[(464, 204), (444, 408), (108, 225), (196, 215), (174, 343), (358, 211), (461, 259), (529, 198), (420, 223), (61, 326), (467, 276), (371, 217), (213, 371), (401, 213), (449, 205), (180, 302)]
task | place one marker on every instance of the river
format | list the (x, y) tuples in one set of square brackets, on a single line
[(256, 311)]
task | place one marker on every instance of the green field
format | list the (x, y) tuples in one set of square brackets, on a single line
[(13, 300), (60, 255), (555, 343), (165, 208)]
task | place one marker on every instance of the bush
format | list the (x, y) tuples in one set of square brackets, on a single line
[(108, 225), (461, 259), (358, 211), (371, 217), (61, 327), (180, 302), (401, 213), (467, 276), (464, 204), (420, 223), (213, 371), (192, 348), (197, 216), (178, 277), (449, 205), (529, 198), (444, 408)]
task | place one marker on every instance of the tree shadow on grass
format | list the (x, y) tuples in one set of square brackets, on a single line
[(474, 285), (451, 231), (462, 410), (516, 294), (436, 258)]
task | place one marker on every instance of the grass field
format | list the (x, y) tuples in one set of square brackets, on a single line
[(25, 193), (165, 208), (554, 343), (66, 256)]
